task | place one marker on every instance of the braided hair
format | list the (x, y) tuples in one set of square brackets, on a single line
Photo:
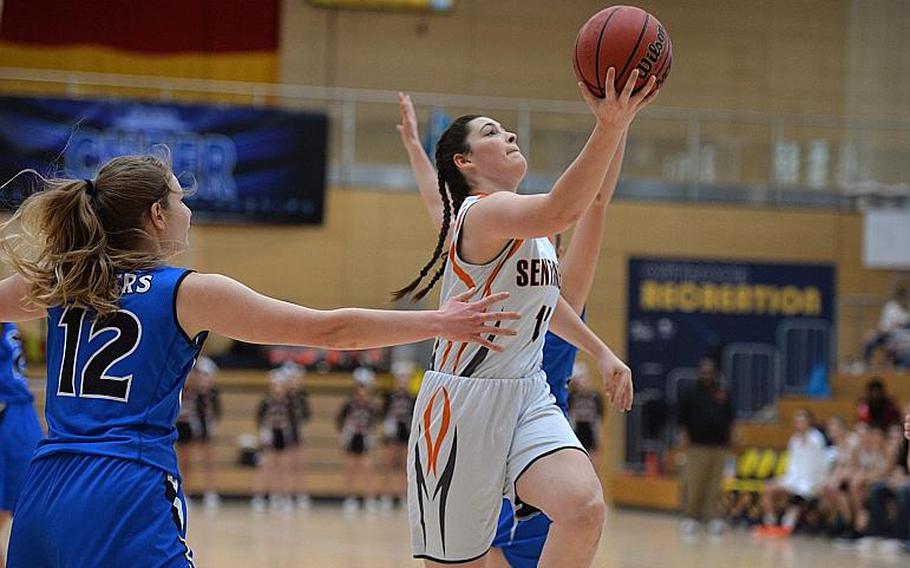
[(453, 141)]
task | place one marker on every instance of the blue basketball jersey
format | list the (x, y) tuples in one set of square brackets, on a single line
[(114, 384), (558, 360), (13, 384)]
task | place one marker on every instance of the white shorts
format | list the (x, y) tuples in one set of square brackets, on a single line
[(471, 440)]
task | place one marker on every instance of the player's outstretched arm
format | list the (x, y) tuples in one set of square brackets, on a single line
[(212, 302), (579, 262), (616, 375), (14, 305), (508, 215), (421, 166)]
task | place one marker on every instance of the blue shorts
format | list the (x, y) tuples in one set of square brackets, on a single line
[(83, 511), (20, 432), (521, 543)]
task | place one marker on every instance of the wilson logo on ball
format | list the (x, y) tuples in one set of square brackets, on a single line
[(655, 48)]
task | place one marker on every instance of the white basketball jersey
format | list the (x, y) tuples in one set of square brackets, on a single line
[(526, 268)]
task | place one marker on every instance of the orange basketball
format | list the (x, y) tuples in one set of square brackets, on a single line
[(625, 38)]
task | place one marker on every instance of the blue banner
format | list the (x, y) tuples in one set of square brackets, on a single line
[(246, 164), (770, 328)]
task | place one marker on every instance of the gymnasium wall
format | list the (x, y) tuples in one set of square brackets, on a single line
[(373, 242), (787, 56)]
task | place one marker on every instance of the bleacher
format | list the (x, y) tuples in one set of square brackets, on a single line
[(241, 392), (664, 492)]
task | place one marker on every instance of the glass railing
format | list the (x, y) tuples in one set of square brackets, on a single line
[(673, 153)]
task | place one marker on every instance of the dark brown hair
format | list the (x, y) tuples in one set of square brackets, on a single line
[(453, 141)]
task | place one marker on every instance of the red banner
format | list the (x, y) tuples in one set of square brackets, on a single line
[(163, 26)]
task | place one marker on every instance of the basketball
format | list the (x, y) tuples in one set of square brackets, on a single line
[(625, 38)]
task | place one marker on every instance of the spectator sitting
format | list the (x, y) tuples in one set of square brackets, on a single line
[(872, 465), (887, 504), (876, 408), (836, 434), (841, 459), (806, 468), (895, 318)]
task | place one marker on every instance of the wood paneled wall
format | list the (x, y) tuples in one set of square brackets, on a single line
[(373, 242), (774, 55)]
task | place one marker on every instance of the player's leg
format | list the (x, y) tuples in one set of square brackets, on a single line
[(20, 433), (4, 518), (548, 470), (564, 486), (594, 455), (525, 544), (496, 559), (504, 531), (478, 563)]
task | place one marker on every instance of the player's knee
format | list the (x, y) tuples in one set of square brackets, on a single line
[(584, 510), (591, 513)]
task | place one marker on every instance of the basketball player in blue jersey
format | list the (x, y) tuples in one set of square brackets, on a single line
[(519, 543), (124, 329), (20, 430)]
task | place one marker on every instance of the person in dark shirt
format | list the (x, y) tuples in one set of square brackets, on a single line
[(876, 408), (275, 419), (888, 499), (586, 410), (705, 418), (397, 412), (206, 401), (300, 414), (355, 422)]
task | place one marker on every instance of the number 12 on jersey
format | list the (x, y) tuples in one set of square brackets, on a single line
[(94, 381)]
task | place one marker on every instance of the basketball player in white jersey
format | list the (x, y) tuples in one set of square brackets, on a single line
[(485, 423)]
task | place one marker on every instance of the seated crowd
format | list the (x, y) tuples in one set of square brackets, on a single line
[(849, 482)]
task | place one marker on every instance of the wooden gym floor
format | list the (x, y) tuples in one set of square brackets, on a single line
[(324, 538)]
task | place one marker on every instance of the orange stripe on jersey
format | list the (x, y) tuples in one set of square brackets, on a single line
[(459, 271), (487, 290), (445, 355), (453, 256), (433, 448), (458, 357), (488, 287)]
